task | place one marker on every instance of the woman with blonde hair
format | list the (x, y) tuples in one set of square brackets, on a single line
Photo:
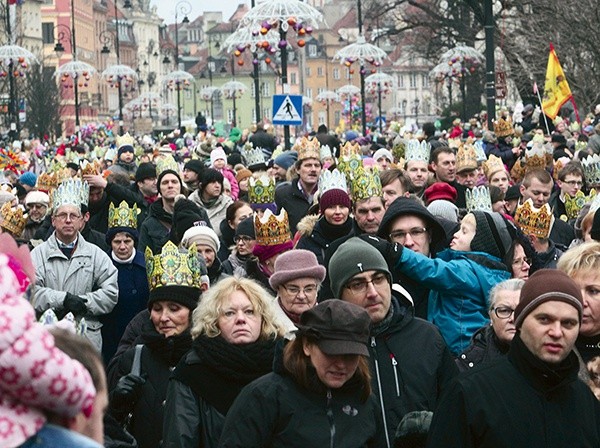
[(234, 334)]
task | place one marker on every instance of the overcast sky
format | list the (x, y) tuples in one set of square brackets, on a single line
[(166, 8)]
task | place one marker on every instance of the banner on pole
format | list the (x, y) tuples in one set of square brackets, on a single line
[(556, 90)]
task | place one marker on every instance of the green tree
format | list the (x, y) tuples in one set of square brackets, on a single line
[(43, 101)]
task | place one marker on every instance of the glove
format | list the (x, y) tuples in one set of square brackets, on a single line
[(126, 392), (390, 251), (75, 304)]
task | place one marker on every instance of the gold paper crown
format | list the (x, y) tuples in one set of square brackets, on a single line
[(123, 140), (503, 128), (492, 165), (91, 167), (591, 170), (166, 163), (252, 155), (261, 190), (517, 172), (535, 157), (454, 143), (332, 180), (173, 268), (350, 148), (13, 219), (272, 229), (123, 216), (466, 158), (308, 148), (574, 204), (534, 221), (348, 166), (479, 199), (559, 165), (365, 184), (71, 192), (48, 181), (416, 150)]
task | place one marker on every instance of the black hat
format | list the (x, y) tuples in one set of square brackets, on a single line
[(513, 192), (234, 158), (146, 170), (194, 165), (494, 234), (186, 214), (125, 148), (340, 328), (211, 175), (73, 166), (559, 138), (246, 227)]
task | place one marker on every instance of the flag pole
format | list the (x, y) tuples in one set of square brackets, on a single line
[(576, 110), (536, 90)]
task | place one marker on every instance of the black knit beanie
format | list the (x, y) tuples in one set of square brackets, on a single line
[(184, 295), (493, 234), (144, 171), (210, 175), (246, 227), (164, 173), (186, 214)]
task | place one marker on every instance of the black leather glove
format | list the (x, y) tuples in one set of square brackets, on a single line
[(390, 251), (126, 392), (75, 304)]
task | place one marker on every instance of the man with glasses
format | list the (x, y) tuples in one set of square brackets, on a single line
[(533, 396), (73, 275), (570, 181), (410, 362), (409, 223)]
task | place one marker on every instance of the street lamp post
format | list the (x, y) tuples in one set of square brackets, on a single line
[(184, 8)]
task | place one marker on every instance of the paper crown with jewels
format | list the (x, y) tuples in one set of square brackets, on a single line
[(71, 192), (348, 166), (350, 148), (480, 151), (493, 165), (261, 190), (252, 155), (13, 219), (365, 184), (573, 204), (325, 153), (332, 180), (591, 170), (166, 163), (123, 215), (503, 127), (479, 198), (88, 167), (535, 157), (417, 151), (517, 172), (534, 221), (308, 148), (271, 229), (125, 140), (559, 165), (454, 143), (172, 267), (466, 158)]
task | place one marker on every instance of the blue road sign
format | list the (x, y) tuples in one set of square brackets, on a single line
[(287, 109)]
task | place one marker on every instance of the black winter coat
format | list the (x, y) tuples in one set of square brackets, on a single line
[(289, 196), (159, 356), (410, 363), (156, 228), (517, 401), (485, 347), (322, 236)]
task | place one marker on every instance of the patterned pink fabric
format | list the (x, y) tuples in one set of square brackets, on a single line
[(34, 374)]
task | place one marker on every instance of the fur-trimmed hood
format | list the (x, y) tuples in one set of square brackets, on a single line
[(307, 224)]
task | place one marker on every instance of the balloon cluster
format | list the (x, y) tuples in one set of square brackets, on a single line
[(82, 79), (363, 71), (374, 88), (124, 80), (231, 93), (266, 26), (18, 69), (174, 84)]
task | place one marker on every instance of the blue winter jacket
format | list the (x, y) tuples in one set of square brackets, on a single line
[(460, 283)]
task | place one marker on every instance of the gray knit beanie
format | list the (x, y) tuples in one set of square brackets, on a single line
[(353, 257), (493, 234), (444, 209)]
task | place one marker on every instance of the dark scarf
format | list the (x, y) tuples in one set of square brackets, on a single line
[(541, 375), (170, 350), (588, 347), (224, 369), (294, 317), (332, 232)]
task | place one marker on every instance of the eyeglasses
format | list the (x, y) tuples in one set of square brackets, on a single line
[(400, 235), (65, 216), (295, 290), (503, 312), (520, 261), (573, 183), (360, 286), (243, 238)]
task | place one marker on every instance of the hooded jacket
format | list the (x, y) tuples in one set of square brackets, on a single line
[(155, 229)]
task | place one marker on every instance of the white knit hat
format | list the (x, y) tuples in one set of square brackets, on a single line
[(201, 235), (217, 154)]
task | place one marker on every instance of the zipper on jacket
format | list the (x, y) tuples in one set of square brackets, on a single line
[(331, 420), (374, 347), (394, 364)]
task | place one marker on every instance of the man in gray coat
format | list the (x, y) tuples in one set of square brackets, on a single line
[(73, 275)]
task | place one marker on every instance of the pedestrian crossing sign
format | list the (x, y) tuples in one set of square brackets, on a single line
[(287, 109)]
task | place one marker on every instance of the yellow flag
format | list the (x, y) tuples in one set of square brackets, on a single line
[(556, 89)]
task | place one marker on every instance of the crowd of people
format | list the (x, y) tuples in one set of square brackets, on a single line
[(415, 288)]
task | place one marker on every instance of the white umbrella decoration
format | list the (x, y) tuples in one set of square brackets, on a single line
[(20, 58), (307, 101), (361, 52), (233, 89), (290, 12), (379, 82), (178, 80), (79, 71), (207, 93), (244, 37), (348, 89), (116, 74), (328, 95)]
